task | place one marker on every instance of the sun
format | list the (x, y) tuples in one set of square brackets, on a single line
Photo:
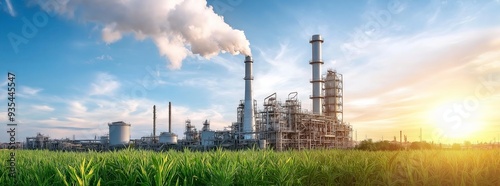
[(453, 124), (462, 131)]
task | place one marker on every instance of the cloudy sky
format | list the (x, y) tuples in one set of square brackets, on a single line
[(407, 65)]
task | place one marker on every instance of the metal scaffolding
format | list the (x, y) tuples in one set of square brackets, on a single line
[(286, 126)]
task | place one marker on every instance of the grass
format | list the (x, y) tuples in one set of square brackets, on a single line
[(254, 167)]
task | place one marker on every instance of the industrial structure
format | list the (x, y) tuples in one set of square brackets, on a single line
[(277, 125), (285, 125)]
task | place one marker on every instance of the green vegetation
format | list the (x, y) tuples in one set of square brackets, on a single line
[(386, 145), (254, 167)]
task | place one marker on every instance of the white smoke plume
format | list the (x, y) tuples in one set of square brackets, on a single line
[(179, 28)]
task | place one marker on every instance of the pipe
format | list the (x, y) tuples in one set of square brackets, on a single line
[(267, 98), (169, 117), (249, 119), (317, 81), (294, 97), (154, 123)]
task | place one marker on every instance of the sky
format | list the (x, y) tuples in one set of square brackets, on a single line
[(407, 65)]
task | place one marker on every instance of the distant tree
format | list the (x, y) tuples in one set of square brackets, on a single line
[(421, 145), (366, 145), (386, 145), (456, 146), (415, 145), (380, 145), (467, 144)]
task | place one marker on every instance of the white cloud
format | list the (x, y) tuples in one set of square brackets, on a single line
[(178, 28), (44, 108), (88, 116), (4, 83), (104, 58), (77, 108), (29, 91), (104, 84), (408, 75), (77, 120), (10, 8), (282, 70), (231, 66), (3, 91)]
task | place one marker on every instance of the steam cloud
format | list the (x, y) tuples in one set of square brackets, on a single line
[(178, 27)]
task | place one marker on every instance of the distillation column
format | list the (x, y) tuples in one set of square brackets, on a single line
[(249, 117), (317, 81)]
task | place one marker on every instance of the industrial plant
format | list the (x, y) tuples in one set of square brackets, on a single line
[(276, 125)]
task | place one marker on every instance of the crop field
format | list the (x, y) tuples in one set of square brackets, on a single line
[(254, 167)]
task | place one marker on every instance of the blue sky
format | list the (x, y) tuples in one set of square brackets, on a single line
[(407, 65)]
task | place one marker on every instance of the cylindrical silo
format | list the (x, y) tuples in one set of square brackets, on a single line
[(119, 133), (168, 138)]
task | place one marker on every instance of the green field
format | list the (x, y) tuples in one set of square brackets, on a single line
[(254, 167)]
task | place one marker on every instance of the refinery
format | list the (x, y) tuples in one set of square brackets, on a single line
[(275, 125)]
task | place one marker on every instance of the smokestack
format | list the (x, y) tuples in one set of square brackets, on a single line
[(401, 137), (248, 114), (169, 117), (317, 82), (154, 123)]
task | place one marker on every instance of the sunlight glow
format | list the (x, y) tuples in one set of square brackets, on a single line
[(454, 124)]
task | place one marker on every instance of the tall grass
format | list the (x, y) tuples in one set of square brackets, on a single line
[(254, 167)]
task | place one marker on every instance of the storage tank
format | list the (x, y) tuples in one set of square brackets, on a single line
[(119, 133), (168, 138)]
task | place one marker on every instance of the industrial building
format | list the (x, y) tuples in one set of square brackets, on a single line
[(277, 125)]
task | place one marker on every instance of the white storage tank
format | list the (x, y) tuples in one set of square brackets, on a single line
[(119, 133), (168, 138)]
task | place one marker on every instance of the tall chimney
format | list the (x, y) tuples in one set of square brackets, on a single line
[(317, 81), (401, 137), (248, 114), (169, 117), (154, 123)]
